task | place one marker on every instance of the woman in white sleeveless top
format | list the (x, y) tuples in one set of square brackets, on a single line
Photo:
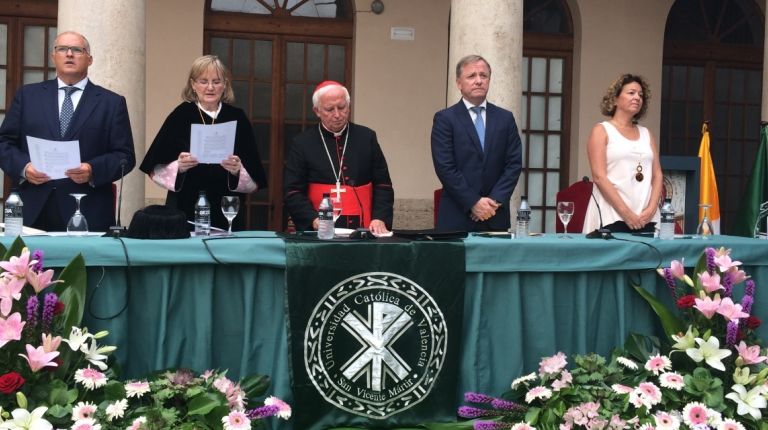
[(624, 160)]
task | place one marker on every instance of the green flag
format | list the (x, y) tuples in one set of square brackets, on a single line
[(756, 192)]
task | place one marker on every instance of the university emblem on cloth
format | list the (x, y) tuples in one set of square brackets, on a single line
[(375, 344)]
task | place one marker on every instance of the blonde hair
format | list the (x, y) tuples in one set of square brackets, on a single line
[(200, 66), (608, 104)]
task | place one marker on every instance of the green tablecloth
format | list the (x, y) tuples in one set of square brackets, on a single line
[(176, 306)]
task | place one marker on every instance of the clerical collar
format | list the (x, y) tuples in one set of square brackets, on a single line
[(334, 133)]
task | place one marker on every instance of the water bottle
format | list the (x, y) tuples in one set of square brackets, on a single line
[(667, 224), (523, 219), (14, 220), (202, 215), (325, 227)]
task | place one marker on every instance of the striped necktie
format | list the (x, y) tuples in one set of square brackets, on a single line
[(479, 124), (67, 109)]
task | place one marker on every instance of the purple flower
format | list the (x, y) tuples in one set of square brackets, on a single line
[(732, 333), (49, 306), (746, 304), (38, 255), (263, 412), (727, 284), (670, 282), (473, 412), (505, 405), (710, 257), (32, 307), (477, 397), (749, 288), (490, 425)]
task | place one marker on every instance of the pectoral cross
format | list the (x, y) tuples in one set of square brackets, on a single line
[(338, 190)]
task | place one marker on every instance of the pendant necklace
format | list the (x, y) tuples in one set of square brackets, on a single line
[(337, 176), (639, 175), (200, 111)]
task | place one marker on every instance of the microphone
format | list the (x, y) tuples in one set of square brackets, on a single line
[(601, 232), (118, 230), (352, 183)]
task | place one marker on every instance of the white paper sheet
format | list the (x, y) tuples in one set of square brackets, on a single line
[(212, 143), (53, 157)]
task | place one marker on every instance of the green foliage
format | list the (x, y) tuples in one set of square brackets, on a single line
[(72, 291)]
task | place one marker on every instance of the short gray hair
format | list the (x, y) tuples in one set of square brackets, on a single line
[(469, 59), (319, 93), (85, 41)]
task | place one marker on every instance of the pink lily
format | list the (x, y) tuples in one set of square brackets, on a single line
[(10, 328), (731, 311), (40, 280), (18, 266), (51, 343), (10, 290), (724, 262), (750, 354), (38, 358), (737, 276), (711, 283), (708, 306), (677, 269)]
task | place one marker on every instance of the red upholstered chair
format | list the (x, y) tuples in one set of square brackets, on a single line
[(579, 193), (436, 198)]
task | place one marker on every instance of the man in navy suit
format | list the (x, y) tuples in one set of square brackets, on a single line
[(476, 151), (68, 108)]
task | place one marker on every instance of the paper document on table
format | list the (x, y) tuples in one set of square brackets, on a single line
[(212, 143), (53, 157)]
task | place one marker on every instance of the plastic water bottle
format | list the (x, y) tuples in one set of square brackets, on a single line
[(202, 215), (667, 224), (13, 217), (522, 226), (325, 227)]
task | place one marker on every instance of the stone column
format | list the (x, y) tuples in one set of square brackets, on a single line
[(492, 29), (116, 32)]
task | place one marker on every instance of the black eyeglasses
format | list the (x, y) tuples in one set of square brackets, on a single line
[(76, 50)]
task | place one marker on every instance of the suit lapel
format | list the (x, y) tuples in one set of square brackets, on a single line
[(491, 125), (461, 111), (51, 107), (88, 101)]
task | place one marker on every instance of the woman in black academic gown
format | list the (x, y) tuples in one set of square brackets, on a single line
[(169, 163)]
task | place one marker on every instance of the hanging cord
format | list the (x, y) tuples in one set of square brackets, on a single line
[(640, 271), (98, 286), (213, 256)]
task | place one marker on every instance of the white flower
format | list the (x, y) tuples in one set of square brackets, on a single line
[(626, 362), (685, 341), (86, 424), (90, 378), (523, 426), (538, 393), (93, 355), (83, 410), (709, 351), (283, 409), (523, 379), (22, 419), (77, 337), (136, 389), (672, 380), (749, 402), (137, 423), (729, 424), (236, 420), (665, 421), (117, 409)]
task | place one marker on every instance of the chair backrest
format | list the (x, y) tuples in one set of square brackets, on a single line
[(436, 202), (579, 193)]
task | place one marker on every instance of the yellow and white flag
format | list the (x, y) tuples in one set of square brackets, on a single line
[(708, 185)]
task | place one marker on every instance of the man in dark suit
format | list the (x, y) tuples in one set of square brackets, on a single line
[(476, 151), (65, 109)]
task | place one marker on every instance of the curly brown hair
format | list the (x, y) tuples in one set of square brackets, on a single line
[(608, 104)]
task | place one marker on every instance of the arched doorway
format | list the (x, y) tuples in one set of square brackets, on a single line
[(546, 103), (278, 51), (713, 60)]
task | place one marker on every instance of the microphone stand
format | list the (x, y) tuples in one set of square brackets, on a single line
[(601, 232), (118, 230), (359, 204)]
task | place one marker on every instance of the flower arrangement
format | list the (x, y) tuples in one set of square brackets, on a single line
[(55, 373), (712, 375)]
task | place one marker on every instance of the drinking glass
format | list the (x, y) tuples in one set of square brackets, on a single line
[(230, 205), (336, 206), (704, 230), (565, 212), (77, 225)]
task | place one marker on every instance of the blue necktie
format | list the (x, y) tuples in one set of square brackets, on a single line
[(479, 124), (67, 109)]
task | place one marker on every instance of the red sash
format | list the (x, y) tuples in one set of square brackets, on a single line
[(351, 200)]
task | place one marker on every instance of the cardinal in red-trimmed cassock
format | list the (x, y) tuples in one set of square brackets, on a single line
[(340, 158)]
